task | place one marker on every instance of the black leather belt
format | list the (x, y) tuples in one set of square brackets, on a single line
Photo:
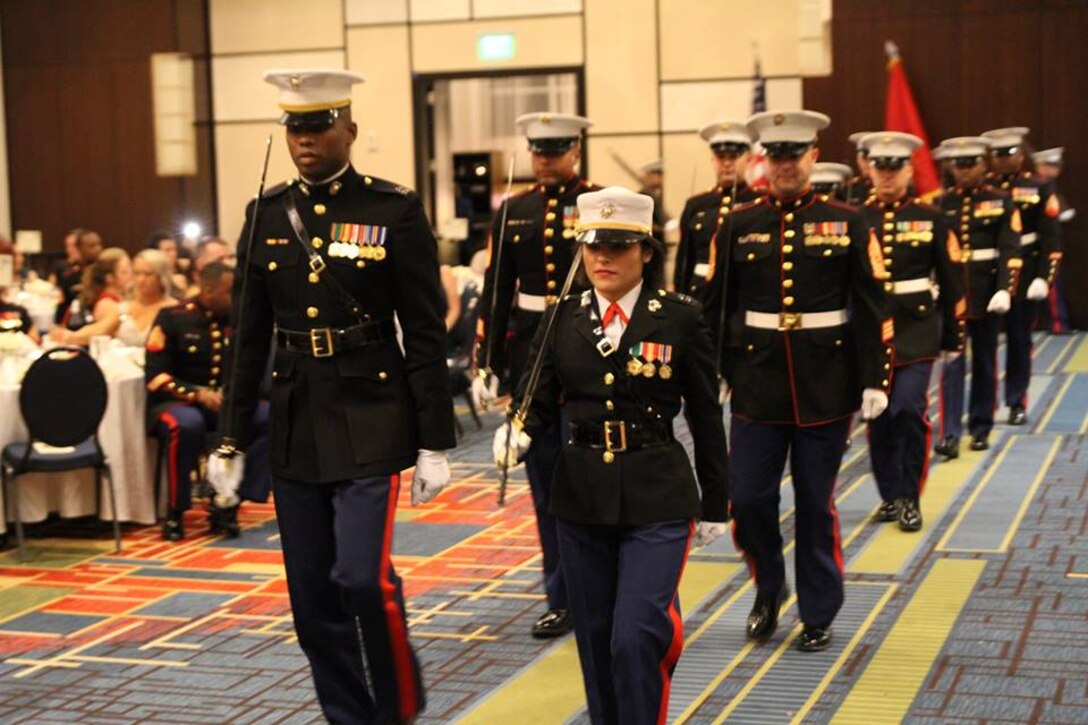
[(327, 341), (619, 435)]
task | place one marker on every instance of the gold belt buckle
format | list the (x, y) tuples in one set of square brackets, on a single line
[(321, 342), (609, 427), (789, 321)]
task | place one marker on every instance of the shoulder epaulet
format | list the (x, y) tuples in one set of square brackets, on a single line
[(746, 205), (278, 189), (832, 201), (183, 308), (921, 203), (930, 197), (995, 190), (383, 186), (678, 297)]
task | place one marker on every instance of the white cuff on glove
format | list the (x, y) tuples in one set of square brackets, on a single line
[(1000, 302), (510, 444), (949, 356), (874, 401), (431, 476), (723, 392), (1038, 289), (485, 388), (225, 476), (707, 532)]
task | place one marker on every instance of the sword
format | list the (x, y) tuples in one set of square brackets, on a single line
[(725, 283), (533, 380), (228, 445), (489, 333)]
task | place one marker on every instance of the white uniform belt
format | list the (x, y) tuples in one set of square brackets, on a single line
[(910, 286), (532, 303), (702, 269), (983, 255), (794, 320), (1029, 238)]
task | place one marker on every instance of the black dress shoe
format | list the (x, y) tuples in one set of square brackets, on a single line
[(763, 619), (949, 447), (172, 530), (1017, 416), (887, 512), (910, 517), (980, 443), (223, 520), (814, 639), (553, 623)]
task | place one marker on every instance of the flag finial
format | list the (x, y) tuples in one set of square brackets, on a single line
[(891, 49)]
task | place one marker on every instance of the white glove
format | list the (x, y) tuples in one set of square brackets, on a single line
[(874, 401), (950, 356), (485, 388), (723, 392), (431, 476), (225, 475), (935, 290), (707, 532), (1000, 302), (510, 444), (1038, 289)]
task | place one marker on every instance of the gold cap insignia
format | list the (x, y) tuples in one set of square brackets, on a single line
[(779, 119), (887, 139), (545, 118), (295, 82), (607, 210)]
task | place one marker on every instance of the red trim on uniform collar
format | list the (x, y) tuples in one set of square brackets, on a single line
[(793, 203)]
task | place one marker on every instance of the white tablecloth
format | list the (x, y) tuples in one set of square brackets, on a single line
[(124, 439)]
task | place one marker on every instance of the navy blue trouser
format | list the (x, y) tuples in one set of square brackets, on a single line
[(623, 583), (757, 459), (980, 420), (899, 439), (1018, 325), (183, 430), (540, 467), (346, 598)]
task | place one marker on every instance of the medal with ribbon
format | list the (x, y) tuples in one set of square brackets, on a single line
[(644, 355)]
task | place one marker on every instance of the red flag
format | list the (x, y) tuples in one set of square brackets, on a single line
[(901, 114)]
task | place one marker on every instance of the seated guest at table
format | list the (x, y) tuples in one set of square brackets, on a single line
[(97, 310), (210, 249), (185, 360), (151, 282), (13, 317), (168, 245), (88, 245)]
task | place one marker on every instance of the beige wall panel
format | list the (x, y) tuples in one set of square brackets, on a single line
[(690, 106), (253, 26), (688, 170), (448, 47), (429, 10), (514, 8), (239, 155), (713, 38), (382, 107), (370, 12), (635, 150), (240, 94), (621, 65)]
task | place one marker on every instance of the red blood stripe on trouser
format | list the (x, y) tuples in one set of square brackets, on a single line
[(172, 456), (672, 655), (403, 666)]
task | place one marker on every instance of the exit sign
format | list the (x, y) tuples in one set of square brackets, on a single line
[(496, 46)]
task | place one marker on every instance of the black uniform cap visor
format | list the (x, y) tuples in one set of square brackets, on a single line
[(825, 187), (966, 162), (610, 237), (1004, 150), (729, 148), (889, 163), (552, 146), (314, 121), (785, 150)]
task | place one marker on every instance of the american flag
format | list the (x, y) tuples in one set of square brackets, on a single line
[(757, 165)]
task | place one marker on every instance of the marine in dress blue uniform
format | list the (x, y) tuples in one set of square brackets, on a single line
[(859, 188), (829, 178), (624, 355), (803, 277), (525, 280), (186, 356), (704, 214), (1040, 250), (925, 288), (988, 226), (1055, 314), (335, 255)]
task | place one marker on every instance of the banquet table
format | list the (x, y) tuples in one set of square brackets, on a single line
[(123, 435)]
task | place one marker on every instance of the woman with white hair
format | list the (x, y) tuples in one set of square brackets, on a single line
[(151, 293)]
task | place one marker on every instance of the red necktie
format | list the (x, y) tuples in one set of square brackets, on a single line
[(614, 311)]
